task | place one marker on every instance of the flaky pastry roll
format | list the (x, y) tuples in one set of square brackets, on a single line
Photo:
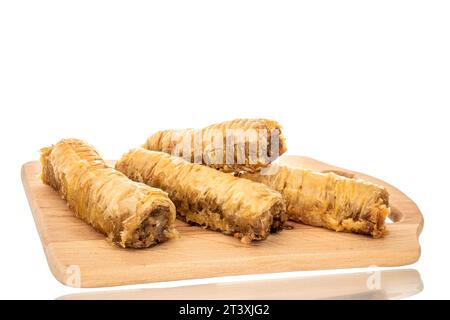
[(231, 146), (131, 214), (328, 200), (207, 197)]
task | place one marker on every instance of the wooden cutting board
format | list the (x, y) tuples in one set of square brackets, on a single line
[(79, 256)]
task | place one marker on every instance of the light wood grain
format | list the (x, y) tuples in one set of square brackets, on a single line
[(70, 244)]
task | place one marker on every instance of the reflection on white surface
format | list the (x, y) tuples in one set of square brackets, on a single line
[(375, 285)]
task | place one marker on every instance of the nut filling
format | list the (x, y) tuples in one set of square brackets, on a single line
[(151, 231)]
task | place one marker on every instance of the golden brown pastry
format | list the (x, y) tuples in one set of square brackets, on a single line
[(328, 200), (207, 197), (131, 214), (231, 146)]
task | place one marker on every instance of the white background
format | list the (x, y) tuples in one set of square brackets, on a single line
[(363, 85)]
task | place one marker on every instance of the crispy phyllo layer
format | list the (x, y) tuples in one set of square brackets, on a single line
[(328, 200), (207, 197), (131, 214), (231, 146)]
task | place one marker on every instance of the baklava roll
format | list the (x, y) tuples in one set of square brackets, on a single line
[(207, 197), (328, 200), (131, 214), (231, 146)]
